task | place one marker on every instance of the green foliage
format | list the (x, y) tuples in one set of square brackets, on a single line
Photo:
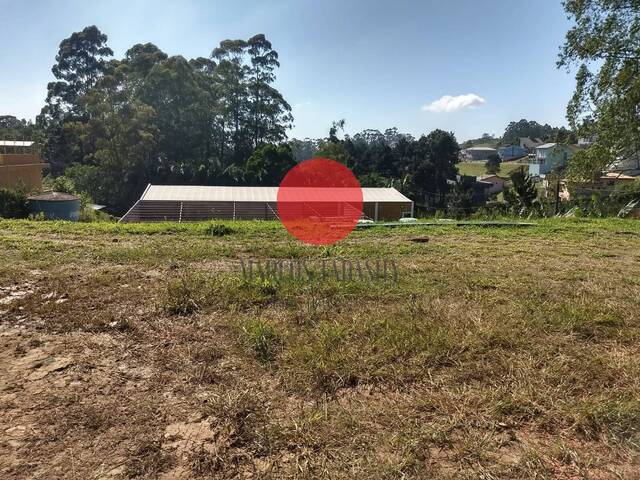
[(532, 129), (60, 184), (118, 125), (601, 202), (269, 164), (262, 338), (522, 197), (80, 62), (460, 200), (217, 229), (434, 162), (604, 43), (486, 140), (374, 179), (492, 165), (13, 203), (12, 128)]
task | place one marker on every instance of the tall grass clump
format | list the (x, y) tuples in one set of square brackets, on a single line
[(186, 294), (214, 229), (262, 338)]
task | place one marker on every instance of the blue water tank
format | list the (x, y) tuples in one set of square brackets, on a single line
[(55, 206)]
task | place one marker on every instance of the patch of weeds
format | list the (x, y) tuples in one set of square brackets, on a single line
[(516, 406), (585, 323), (262, 338), (217, 230), (617, 418), (245, 416), (186, 294), (377, 347), (95, 418), (264, 286), (331, 251), (205, 374)]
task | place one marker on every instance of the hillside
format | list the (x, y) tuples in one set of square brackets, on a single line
[(478, 168), (139, 351)]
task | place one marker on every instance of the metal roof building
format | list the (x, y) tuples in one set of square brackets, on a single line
[(185, 203), (479, 153)]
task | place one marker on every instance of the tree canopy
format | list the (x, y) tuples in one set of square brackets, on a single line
[(119, 124), (604, 45), (113, 125)]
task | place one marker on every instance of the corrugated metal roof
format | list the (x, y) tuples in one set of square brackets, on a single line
[(13, 143), (189, 193)]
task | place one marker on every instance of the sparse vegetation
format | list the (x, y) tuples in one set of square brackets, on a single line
[(515, 361), (477, 169)]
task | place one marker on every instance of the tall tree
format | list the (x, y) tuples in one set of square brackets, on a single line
[(270, 113), (492, 165), (232, 74), (81, 60), (604, 43), (434, 162), (522, 196)]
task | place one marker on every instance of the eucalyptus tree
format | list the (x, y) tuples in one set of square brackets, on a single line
[(80, 62)]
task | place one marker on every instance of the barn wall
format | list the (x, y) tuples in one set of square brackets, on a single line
[(388, 211), (393, 210), (150, 211), (158, 211)]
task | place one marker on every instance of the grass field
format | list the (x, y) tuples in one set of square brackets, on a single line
[(140, 351), (477, 168)]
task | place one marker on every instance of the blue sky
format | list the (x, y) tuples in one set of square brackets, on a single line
[(376, 63)]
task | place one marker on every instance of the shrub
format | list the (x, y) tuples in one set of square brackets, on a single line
[(13, 203), (262, 338), (218, 230)]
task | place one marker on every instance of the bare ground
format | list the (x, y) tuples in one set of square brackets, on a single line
[(528, 368)]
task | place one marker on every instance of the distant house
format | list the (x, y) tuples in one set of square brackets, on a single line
[(606, 182), (478, 153), (530, 144), (584, 142), (497, 183), (630, 165), (511, 152), (549, 156), (20, 165)]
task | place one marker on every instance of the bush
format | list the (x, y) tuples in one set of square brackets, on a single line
[(13, 203), (218, 230)]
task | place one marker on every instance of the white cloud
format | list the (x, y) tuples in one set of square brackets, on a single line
[(448, 103)]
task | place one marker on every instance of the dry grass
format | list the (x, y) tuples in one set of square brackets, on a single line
[(142, 352)]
